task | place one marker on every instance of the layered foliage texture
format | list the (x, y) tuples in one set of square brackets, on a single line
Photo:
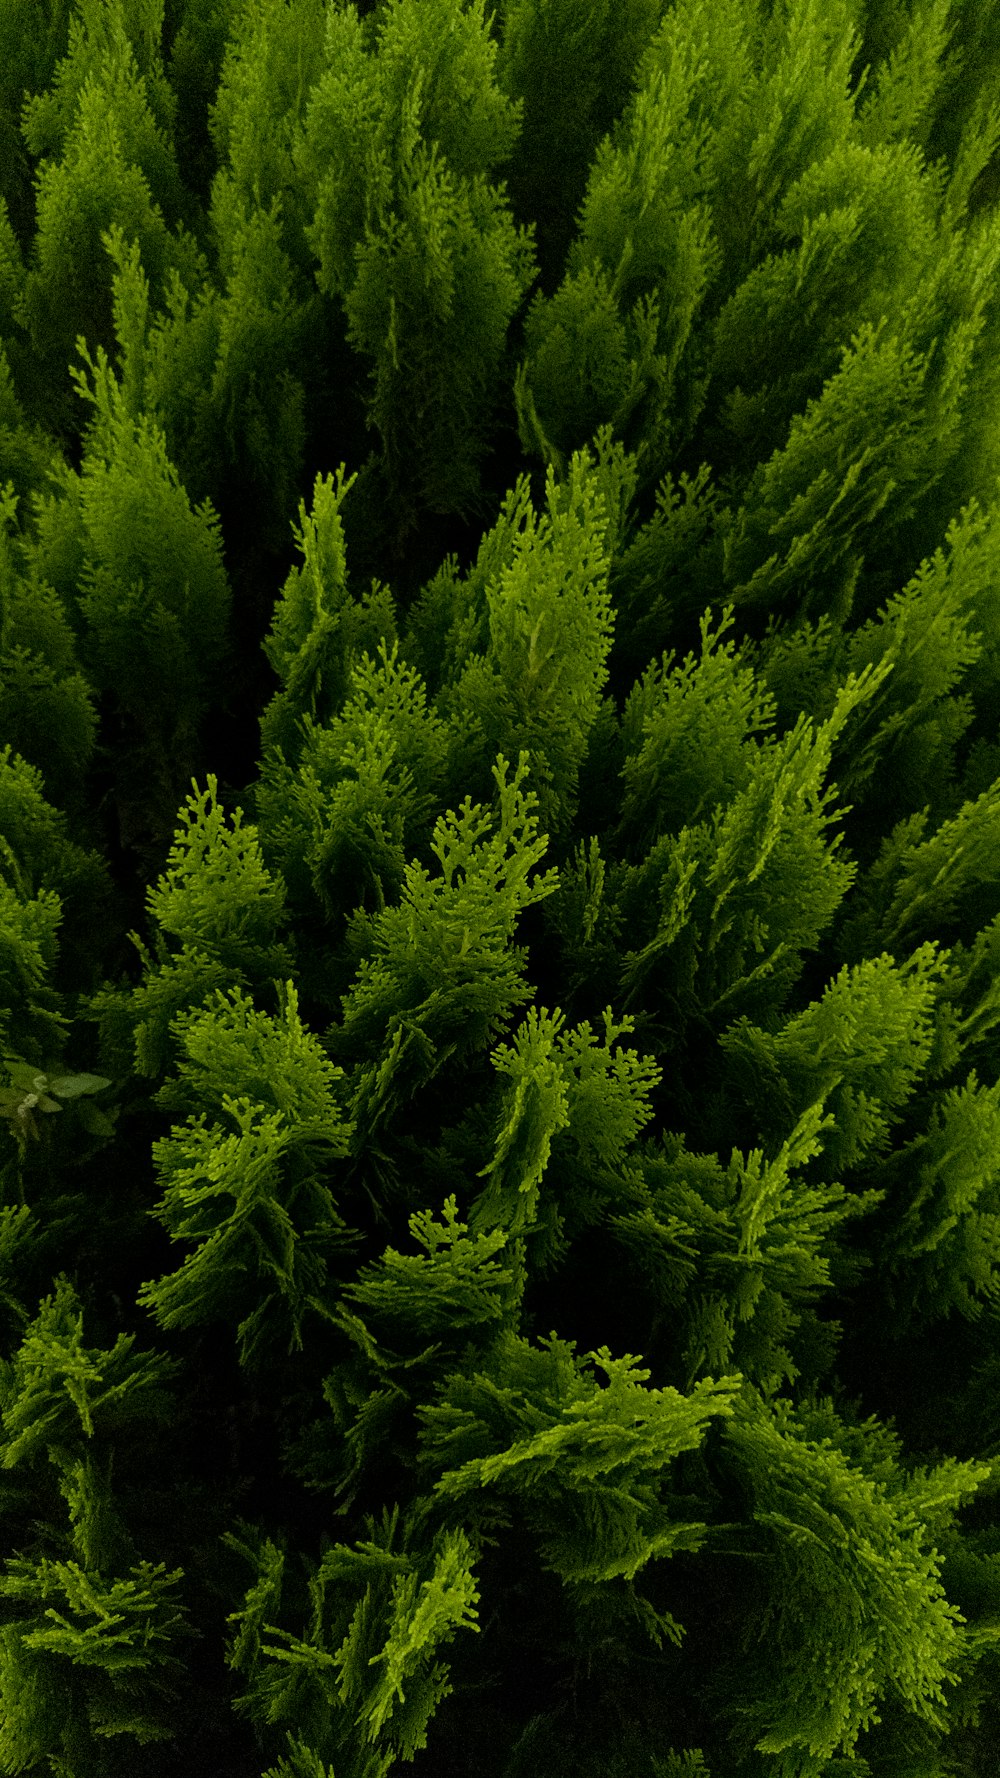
[(499, 888)]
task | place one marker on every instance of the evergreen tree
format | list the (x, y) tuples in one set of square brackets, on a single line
[(499, 1200)]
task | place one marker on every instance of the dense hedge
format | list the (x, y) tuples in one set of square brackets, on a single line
[(499, 888)]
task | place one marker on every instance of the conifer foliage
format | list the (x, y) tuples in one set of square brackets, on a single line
[(499, 888)]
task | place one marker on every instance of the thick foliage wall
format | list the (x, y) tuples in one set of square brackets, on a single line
[(499, 888)]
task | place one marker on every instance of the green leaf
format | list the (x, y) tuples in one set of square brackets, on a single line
[(70, 1086)]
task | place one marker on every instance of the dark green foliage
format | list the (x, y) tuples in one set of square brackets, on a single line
[(498, 565)]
